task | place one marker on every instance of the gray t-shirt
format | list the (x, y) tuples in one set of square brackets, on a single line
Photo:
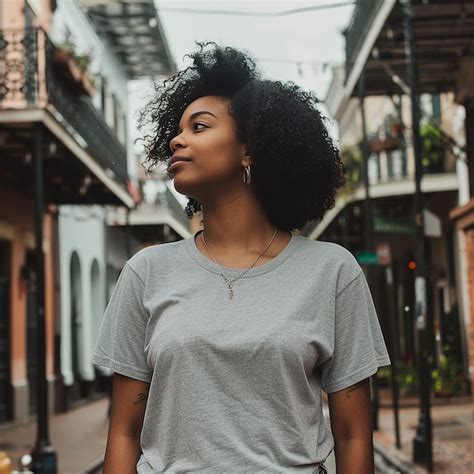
[(235, 384)]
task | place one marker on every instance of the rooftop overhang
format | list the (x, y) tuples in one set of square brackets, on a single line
[(135, 34), (444, 35)]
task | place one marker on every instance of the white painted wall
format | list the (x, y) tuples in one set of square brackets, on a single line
[(82, 230)]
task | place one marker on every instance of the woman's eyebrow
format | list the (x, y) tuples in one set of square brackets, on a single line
[(201, 112), (195, 114)]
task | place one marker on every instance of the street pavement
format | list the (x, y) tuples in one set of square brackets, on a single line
[(453, 436), (79, 438)]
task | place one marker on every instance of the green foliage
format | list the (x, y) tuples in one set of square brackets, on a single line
[(447, 379), (352, 160), (433, 148), (82, 60)]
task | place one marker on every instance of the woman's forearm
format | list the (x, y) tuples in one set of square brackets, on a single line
[(354, 456), (122, 454)]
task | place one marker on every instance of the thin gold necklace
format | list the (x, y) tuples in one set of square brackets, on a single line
[(227, 280)]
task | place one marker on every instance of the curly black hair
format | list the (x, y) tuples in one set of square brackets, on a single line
[(296, 168)]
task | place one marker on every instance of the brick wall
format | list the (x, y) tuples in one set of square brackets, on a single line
[(464, 222), (469, 236)]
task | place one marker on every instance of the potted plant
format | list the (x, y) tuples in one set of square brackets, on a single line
[(73, 68)]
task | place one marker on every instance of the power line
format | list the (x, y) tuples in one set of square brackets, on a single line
[(316, 62), (325, 6)]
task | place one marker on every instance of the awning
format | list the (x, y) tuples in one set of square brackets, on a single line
[(134, 31)]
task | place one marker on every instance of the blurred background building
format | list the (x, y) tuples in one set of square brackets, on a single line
[(375, 73), (65, 72)]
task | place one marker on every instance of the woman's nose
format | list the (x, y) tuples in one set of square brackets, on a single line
[(177, 142)]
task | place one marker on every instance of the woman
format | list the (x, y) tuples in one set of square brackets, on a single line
[(221, 342)]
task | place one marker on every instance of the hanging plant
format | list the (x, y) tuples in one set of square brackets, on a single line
[(433, 147), (394, 126)]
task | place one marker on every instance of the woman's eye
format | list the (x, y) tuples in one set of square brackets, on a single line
[(199, 124)]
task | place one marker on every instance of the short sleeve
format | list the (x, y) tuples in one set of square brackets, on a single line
[(121, 341), (359, 347)]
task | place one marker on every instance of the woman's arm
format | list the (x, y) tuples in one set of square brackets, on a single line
[(129, 397), (351, 425)]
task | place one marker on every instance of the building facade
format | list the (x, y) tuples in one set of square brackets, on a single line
[(375, 79), (64, 147)]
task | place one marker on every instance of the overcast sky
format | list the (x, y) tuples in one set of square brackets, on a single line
[(298, 47), (311, 38)]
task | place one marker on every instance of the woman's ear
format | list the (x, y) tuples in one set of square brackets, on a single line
[(247, 158)]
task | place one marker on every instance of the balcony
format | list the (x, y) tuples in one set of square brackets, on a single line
[(375, 43), (391, 160), (356, 33), (83, 159)]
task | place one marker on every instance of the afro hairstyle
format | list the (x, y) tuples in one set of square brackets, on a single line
[(296, 168)]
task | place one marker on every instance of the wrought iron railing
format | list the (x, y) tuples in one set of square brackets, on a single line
[(360, 24), (29, 78)]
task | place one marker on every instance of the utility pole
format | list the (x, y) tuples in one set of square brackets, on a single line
[(44, 455), (422, 443), (369, 234)]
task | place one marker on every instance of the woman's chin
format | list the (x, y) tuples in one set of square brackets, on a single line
[(183, 186)]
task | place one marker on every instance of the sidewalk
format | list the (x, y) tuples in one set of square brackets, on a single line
[(453, 435), (78, 436)]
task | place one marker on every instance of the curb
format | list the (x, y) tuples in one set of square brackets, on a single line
[(95, 467), (387, 461)]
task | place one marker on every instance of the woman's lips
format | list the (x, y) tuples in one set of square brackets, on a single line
[(178, 163)]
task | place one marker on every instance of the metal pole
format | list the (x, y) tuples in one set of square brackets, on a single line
[(369, 240), (422, 443), (44, 455), (128, 234), (395, 352), (369, 235)]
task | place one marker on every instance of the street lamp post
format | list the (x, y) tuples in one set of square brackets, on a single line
[(422, 443)]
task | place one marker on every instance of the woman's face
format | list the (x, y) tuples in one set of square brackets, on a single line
[(207, 137)]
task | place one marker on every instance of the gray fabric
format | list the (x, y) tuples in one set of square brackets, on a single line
[(236, 384)]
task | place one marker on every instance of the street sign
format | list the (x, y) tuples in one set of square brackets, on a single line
[(432, 224), (384, 254), (393, 226), (367, 258), (420, 302), (403, 226)]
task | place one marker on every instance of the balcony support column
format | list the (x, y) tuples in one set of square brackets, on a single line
[(44, 455)]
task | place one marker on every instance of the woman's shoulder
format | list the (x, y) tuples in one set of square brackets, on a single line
[(156, 258), (336, 253), (330, 259)]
